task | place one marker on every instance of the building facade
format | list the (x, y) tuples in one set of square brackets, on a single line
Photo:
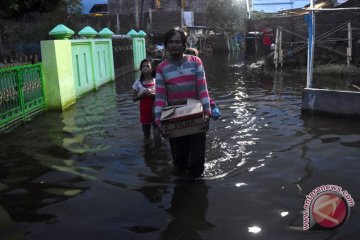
[(156, 16)]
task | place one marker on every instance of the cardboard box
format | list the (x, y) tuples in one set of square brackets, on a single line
[(182, 120)]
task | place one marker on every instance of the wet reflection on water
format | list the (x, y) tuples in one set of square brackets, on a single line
[(188, 209), (87, 173)]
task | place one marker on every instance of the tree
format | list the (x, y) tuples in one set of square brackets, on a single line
[(14, 9), (31, 20), (226, 15), (74, 6), (142, 14), (260, 14)]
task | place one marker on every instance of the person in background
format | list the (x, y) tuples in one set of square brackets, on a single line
[(144, 90), (178, 78), (267, 38), (191, 51)]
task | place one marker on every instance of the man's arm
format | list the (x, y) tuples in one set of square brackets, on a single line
[(160, 94), (202, 87)]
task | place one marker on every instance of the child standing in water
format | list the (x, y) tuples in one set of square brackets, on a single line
[(144, 90)]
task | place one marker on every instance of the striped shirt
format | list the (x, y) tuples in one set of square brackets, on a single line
[(175, 84)]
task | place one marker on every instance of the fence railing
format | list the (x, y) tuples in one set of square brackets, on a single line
[(123, 56), (21, 94), (139, 48), (19, 61), (92, 61), (68, 69)]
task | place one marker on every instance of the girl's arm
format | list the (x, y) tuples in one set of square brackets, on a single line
[(137, 93), (136, 96)]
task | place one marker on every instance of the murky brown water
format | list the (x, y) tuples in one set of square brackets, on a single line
[(87, 174)]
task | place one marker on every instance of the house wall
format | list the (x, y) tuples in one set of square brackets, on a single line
[(129, 6), (168, 15)]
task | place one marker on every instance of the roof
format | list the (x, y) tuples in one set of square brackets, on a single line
[(302, 11), (322, 4), (99, 9), (350, 3)]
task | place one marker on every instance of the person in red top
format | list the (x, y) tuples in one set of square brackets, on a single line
[(267, 38), (144, 90)]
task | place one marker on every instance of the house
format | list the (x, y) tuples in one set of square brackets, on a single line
[(319, 4), (157, 16), (302, 11), (350, 3), (331, 26)]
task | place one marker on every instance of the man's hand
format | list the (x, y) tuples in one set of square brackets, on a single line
[(162, 130), (206, 122)]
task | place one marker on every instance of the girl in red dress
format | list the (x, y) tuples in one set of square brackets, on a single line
[(144, 90)]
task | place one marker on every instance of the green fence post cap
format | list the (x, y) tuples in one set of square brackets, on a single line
[(132, 33), (141, 34), (61, 32), (106, 33), (88, 32)]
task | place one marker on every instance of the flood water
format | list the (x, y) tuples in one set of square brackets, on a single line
[(86, 173)]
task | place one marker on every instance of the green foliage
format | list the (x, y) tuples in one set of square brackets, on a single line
[(14, 9), (226, 15), (31, 20), (74, 6), (260, 14)]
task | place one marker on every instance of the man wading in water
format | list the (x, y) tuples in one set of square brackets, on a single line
[(178, 78)]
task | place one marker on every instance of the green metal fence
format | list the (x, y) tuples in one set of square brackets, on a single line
[(21, 94)]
